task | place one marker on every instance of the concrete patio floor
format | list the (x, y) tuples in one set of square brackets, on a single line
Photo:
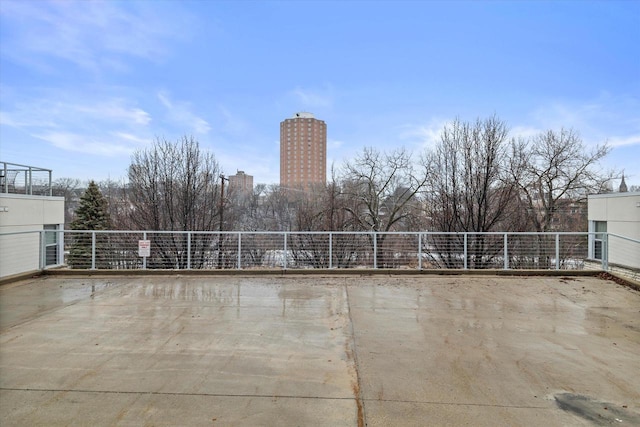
[(319, 351)]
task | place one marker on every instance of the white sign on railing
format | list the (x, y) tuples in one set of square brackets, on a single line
[(144, 248)]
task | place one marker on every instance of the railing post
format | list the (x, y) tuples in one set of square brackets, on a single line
[(6, 179), (43, 250), (93, 250), (60, 250), (50, 187), (466, 255), (30, 181), (286, 253), (419, 251), (189, 250), (557, 251), (375, 250), (605, 252), (330, 250), (506, 253), (239, 250), (144, 258)]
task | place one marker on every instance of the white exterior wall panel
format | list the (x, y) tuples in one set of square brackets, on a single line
[(621, 212), (20, 253)]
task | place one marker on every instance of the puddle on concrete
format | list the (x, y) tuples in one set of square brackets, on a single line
[(245, 296), (598, 412), (76, 292), (302, 293), (223, 294)]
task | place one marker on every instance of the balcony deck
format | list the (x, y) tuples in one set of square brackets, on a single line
[(319, 350)]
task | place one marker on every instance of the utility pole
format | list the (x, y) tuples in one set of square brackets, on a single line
[(222, 179)]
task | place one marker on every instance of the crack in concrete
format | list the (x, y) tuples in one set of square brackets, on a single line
[(275, 396), (357, 389), (162, 393)]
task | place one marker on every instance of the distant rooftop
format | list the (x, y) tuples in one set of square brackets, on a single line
[(303, 115)]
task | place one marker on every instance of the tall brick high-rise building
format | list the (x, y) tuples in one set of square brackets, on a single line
[(303, 152)]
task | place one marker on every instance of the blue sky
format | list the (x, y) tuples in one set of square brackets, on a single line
[(84, 84)]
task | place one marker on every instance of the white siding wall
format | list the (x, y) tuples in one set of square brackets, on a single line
[(20, 253), (621, 211)]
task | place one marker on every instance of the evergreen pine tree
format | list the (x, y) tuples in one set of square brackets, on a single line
[(91, 214)]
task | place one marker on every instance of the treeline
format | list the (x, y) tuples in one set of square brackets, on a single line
[(474, 179)]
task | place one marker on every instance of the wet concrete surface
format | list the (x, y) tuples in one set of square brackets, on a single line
[(315, 350)]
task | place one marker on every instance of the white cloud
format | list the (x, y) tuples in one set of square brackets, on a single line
[(423, 135), (164, 99), (524, 131), (86, 144), (334, 144), (46, 112), (107, 127), (23, 118), (115, 110), (7, 119), (132, 138), (232, 123), (90, 34), (617, 141), (557, 115), (310, 98), (606, 118), (180, 113)]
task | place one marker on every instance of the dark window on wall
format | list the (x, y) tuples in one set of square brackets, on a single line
[(51, 244), (599, 227)]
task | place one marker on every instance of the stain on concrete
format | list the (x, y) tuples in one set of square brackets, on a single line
[(598, 412)]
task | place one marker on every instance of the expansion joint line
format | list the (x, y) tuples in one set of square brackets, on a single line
[(357, 389), (162, 393)]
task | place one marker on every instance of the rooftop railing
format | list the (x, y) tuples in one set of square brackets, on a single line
[(24, 179), (196, 250)]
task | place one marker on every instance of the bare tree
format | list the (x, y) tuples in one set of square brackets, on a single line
[(554, 172), (379, 189), (469, 188), (243, 208), (70, 189), (115, 194), (555, 168), (174, 186), (273, 211)]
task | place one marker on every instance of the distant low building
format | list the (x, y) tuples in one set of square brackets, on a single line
[(570, 215), (241, 182)]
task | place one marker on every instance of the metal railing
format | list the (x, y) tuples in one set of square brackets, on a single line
[(24, 179), (196, 250), (622, 256)]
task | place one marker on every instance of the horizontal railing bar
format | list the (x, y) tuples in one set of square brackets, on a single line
[(621, 237), (363, 233), (28, 167), (10, 233)]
